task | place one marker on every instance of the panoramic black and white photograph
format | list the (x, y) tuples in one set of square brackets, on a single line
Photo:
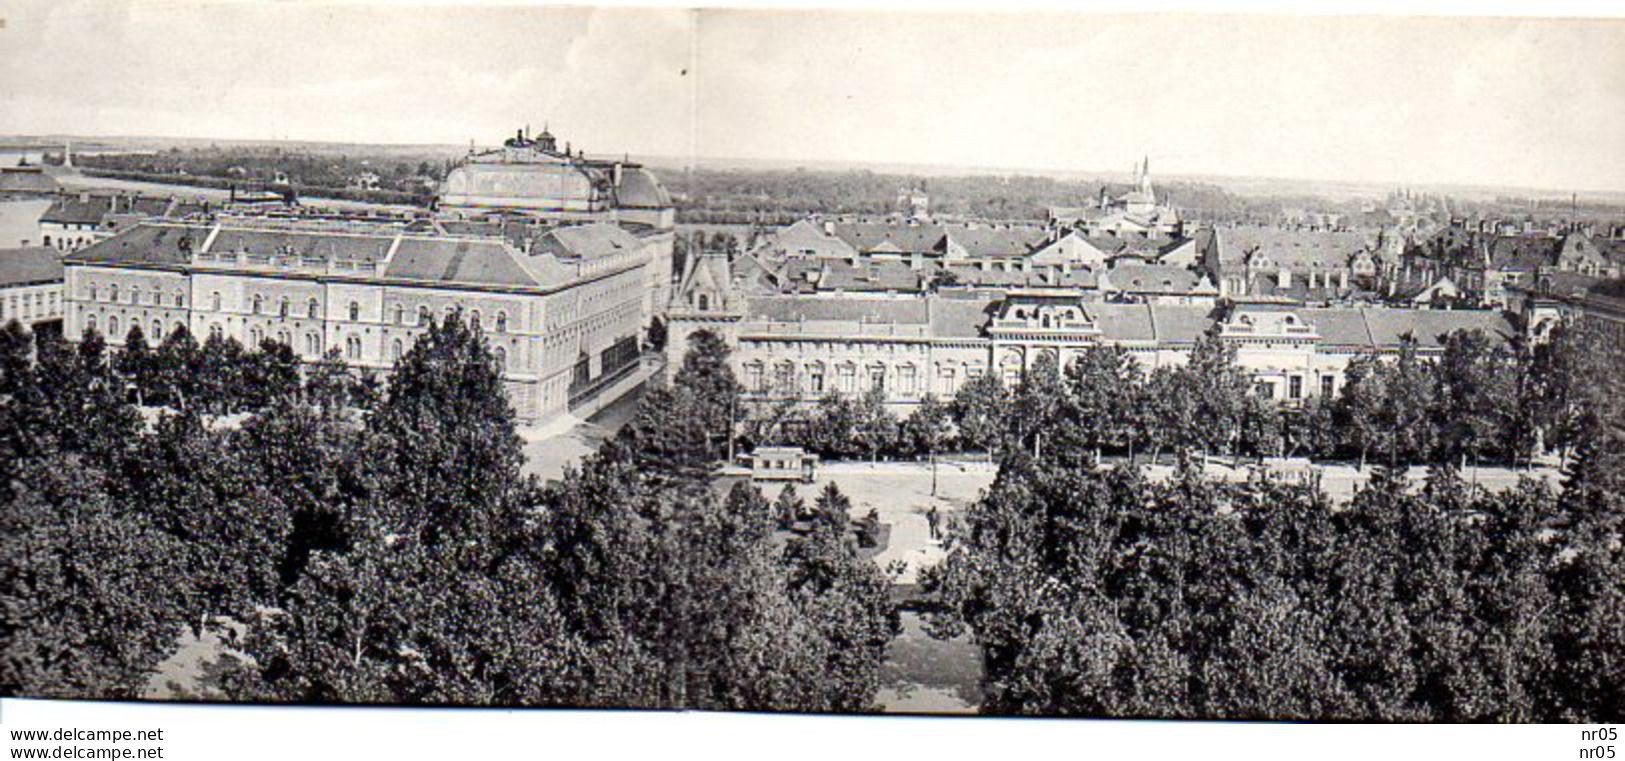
[(1205, 366)]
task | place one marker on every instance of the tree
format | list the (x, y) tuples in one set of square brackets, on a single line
[(436, 589), (270, 373), (927, 429), (1035, 405), (1221, 390), (219, 379), (136, 363), (978, 412), (1165, 411), (88, 588), (1476, 393), (177, 371), (1102, 385), (876, 428)]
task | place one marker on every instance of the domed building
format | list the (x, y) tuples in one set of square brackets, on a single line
[(531, 176), (530, 181)]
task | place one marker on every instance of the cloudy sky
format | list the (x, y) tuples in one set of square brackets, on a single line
[(1535, 103)]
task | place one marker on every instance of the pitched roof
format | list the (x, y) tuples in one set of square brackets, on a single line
[(29, 265), (459, 260), (146, 243), (1179, 323), (1293, 249), (959, 318), (27, 180), (865, 236), (1523, 252), (1156, 278), (361, 247), (586, 241), (825, 308), (1429, 326), (994, 241), (912, 238)]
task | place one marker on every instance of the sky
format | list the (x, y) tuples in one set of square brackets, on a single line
[(1475, 101)]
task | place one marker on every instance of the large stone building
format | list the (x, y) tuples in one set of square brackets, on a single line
[(799, 347), (564, 314), (532, 178)]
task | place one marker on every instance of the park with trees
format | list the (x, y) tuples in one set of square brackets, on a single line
[(358, 541), (1097, 591), (1482, 400)]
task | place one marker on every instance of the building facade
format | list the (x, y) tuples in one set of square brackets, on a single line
[(796, 348), (30, 286), (563, 316)]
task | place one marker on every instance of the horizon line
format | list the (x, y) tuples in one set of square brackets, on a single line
[(891, 167)]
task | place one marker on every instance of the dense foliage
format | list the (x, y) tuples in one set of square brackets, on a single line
[(1094, 591), (384, 546)]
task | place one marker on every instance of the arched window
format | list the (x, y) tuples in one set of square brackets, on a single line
[(112, 328), (259, 303), (313, 309), (355, 311), (283, 338), (423, 315), (92, 291), (704, 302), (90, 323), (395, 350), (135, 294), (502, 322), (474, 319), (313, 344), (112, 292), (214, 301), (157, 330), (282, 307), (400, 314), (502, 358), (215, 331), (255, 338), (180, 299)]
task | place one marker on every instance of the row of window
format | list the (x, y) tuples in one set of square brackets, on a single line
[(116, 330), (812, 380), (135, 295), (256, 337), (29, 306), (313, 311), (285, 306)]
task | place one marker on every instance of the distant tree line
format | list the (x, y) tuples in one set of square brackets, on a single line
[(362, 543), (779, 197), (402, 178), (1482, 400), (1095, 592)]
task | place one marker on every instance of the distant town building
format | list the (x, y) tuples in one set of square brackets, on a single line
[(1136, 212), (27, 182), (76, 220)]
